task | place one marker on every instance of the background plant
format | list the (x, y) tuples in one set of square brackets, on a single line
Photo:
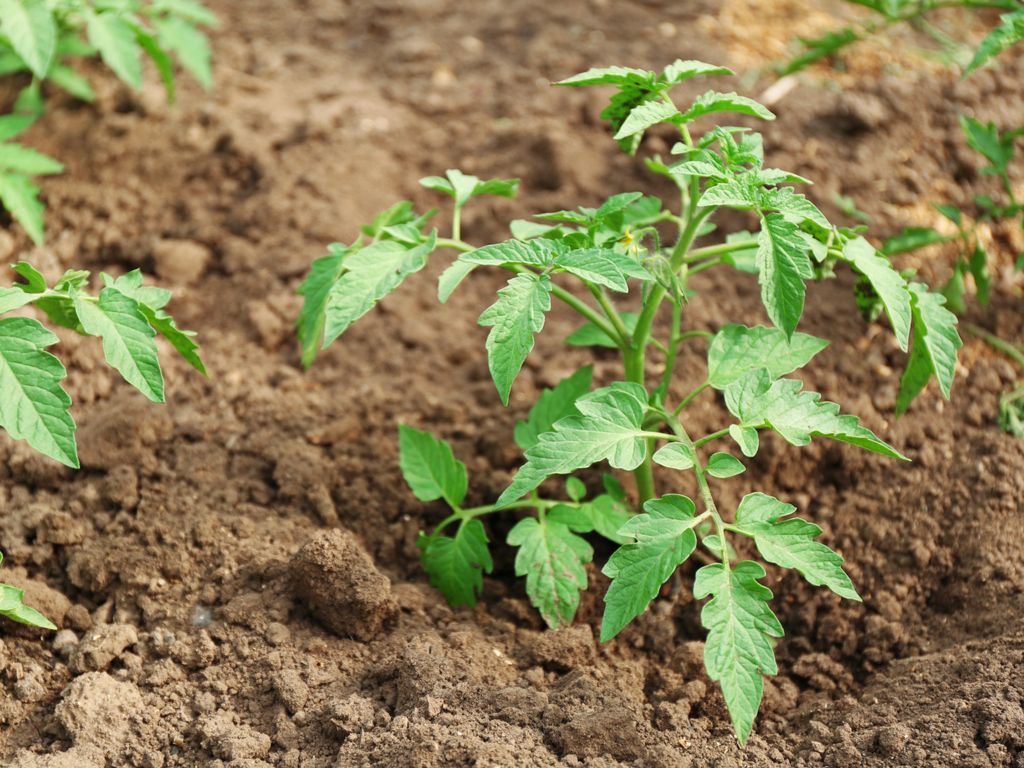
[(34, 406), (44, 40), (618, 248)]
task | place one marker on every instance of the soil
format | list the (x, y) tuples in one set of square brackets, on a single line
[(236, 575)]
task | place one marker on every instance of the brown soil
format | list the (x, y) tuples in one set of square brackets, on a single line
[(198, 640)]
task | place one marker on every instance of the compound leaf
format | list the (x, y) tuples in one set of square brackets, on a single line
[(128, 339), (514, 318), (33, 405), (553, 405), (791, 543), (552, 558), (737, 350), (430, 468), (663, 538), (758, 401), (609, 427), (456, 565), (739, 650), (1003, 37)]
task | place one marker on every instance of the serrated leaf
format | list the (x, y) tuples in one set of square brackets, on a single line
[(450, 279), (456, 564), (114, 38), (887, 283), (30, 27), (739, 649), (791, 543), (680, 70), (783, 266), (609, 428), (33, 405), (128, 339), (590, 335), (552, 558), (713, 101), (18, 159), (553, 405), (602, 266), (663, 538), (746, 438), (935, 346), (430, 468), (985, 138), (21, 199), (189, 44), (369, 275), (674, 456), (539, 252), (161, 60), (1005, 36), (514, 319), (12, 606), (182, 341), (758, 401), (736, 350), (912, 238), (191, 10), (607, 515), (607, 76), (645, 115), (724, 465), (14, 298)]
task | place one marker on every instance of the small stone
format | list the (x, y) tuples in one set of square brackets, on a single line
[(180, 261), (233, 742), (78, 618), (277, 633), (64, 642), (351, 715), (291, 690), (892, 739)]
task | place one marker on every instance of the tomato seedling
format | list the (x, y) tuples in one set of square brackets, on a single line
[(34, 406), (611, 251)]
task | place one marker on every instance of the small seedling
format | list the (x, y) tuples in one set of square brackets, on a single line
[(619, 251), (34, 406), (43, 38)]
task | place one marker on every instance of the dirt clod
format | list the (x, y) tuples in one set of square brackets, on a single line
[(101, 645), (233, 741), (337, 580)]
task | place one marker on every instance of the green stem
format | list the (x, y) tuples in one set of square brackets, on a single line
[(673, 349), (457, 223), (690, 398), (705, 265), (634, 360), (715, 250), (1010, 350), (621, 333), (455, 244), (709, 438)]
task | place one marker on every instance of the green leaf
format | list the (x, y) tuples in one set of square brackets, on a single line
[(935, 346), (189, 44), (791, 543), (430, 468), (30, 27), (369, 275), (316, 290), (739, 649), (986, 139), (602, 266), (746, 438), (450, 279), (819, 48), (680, 70), (456, 565), (514, 318), (609, 428), (191, 10), (607, 515), (72, 82), (461, 187), (18, 159), (887, 283), (160, 58), (757, 401), (912, 238), (553, 405), (21, 199), (128, 339), (13, 125), (12, 606), (539, 252), (607, 76), (713, 101), (33, 405), (978, 266), (783, 266), (674, 456), (724, 465), (1005, 36), (575, 488), (645, 115), (590, 335), (663, 538), (14, 298), (736, 350), (114, 38), (552, 558)]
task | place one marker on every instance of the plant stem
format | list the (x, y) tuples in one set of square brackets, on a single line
[(455, 244), (621, 333), (1010, 350), (634, 360), (689, 398), (715, 250), (673, 349), (709, 438), (457, 223), (705, 265)]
